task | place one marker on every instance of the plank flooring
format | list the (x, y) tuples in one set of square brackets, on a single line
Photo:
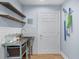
[(50, 56)]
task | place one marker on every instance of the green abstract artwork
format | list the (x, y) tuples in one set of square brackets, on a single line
[(68, 23)]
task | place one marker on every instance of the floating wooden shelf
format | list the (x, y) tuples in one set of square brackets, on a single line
[(12, 8), (11, 18)]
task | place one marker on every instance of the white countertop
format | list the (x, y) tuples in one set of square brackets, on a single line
[(15, 43)]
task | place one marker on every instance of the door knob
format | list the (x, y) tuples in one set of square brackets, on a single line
[(41, 35)]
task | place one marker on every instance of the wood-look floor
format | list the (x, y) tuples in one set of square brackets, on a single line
[(50, 56)]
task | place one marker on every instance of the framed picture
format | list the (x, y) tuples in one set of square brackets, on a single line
[(68, 23)]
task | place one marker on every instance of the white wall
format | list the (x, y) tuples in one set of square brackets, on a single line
[(71, 47), (31, 29), (7, 22), (3, 10), (33, 12)]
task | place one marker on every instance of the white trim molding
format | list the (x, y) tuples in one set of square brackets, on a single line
[(54, 52), (61, 53), (64, 56)]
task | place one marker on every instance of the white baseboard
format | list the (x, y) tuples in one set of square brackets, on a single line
[(64, 56), (46, 52), (35, 53)]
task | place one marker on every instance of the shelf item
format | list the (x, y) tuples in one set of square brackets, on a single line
[(11, 18), (12, 8), (11, 51)]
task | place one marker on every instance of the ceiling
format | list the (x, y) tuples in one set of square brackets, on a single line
[(41, 2)]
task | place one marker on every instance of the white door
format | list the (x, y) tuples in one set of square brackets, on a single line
[(48, 32)]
